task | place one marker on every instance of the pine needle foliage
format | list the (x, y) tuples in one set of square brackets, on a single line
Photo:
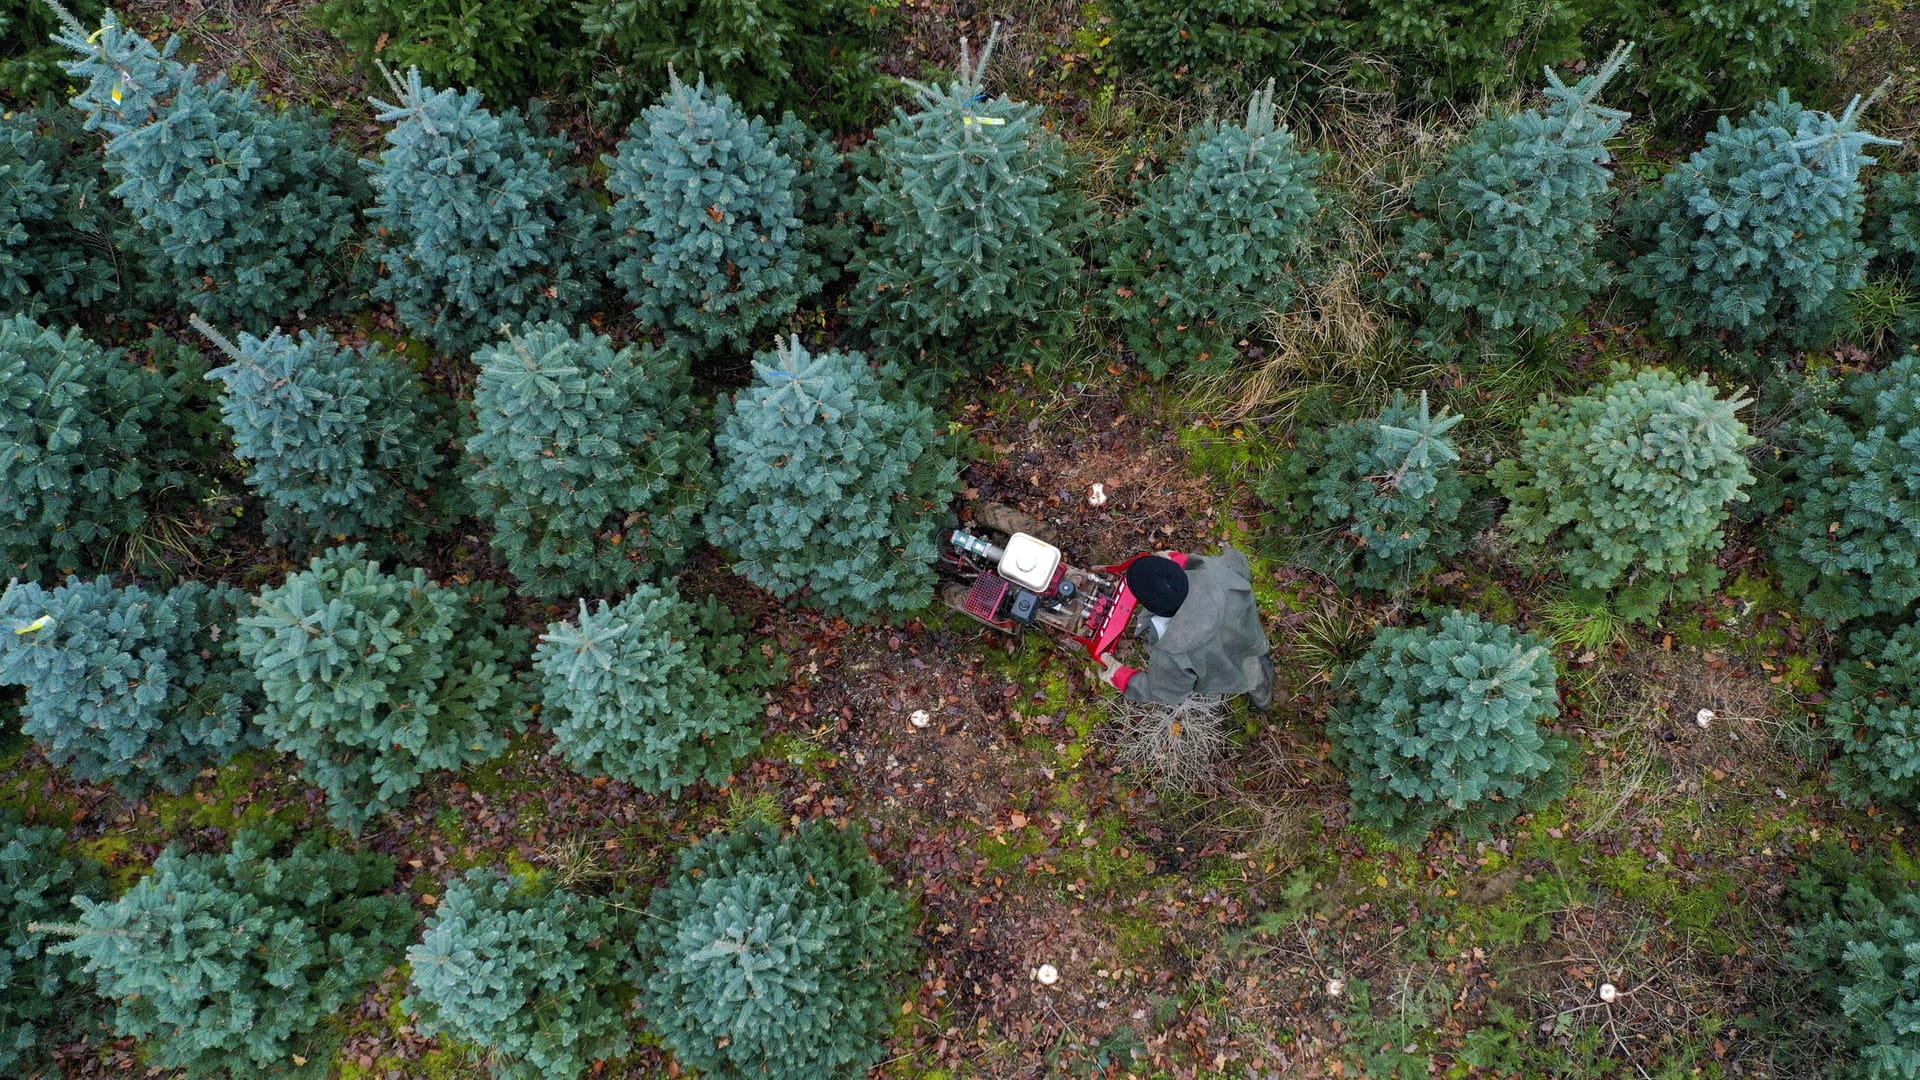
[(1629, 485), (127, 686), (1376, 502), (815, 59), (1443, 728), (976, 230), (481, 222), (373, 680), (1217, 242), (590, 462), (233, 965), (1864, 962), (508, 50), (1702, 57), (1502, 242), (707, 217), (62, 245), (1188, 46), (249, 207), (832, 481), (40, 992), (338, 442), (1758, 233), (659, 691), (1874, 716), (30, 64), (774, 958), (1849, 546), (1436, 50), (89, 449), (532, 975)]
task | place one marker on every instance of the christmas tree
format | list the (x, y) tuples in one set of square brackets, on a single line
[(832, 481), (1848, 546), (339, 442), (234, 965), (41, 998), (1444, 728), (1630, 484), (64, 249), (89, 446), (707, 215), (1216, 243), (658, 691), (773, 958), (127, 686), (975, 229), (1501, 245), (249, 207), (529, 973), (1759, 232), (1375, 502), (373, 680), (590, 462), (480, 223)]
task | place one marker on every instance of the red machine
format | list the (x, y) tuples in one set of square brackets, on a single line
[(1006, 576)]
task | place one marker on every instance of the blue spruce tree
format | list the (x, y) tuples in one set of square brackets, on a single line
[(975, 228), (707, 213), (832, 480), (338, 442), (1501, 245), (126, 686), (481, 223), (249, 207), (590, 462), (1216, 243), (1759, 232)]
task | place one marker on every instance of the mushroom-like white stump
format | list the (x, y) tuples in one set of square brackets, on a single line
[(1609, 993), (1046, 974), (1704, 718), (920, 718)]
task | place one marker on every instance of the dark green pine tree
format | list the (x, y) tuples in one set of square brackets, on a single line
[(1375, 502), (66, 250), (249, 207), (1849, 546), (89, 450), (481, 223), (659, 691), (237, 964), (832, 481), (1444, 728), (338, 442), (373, 680), (127, 686), (976, 230), (774, 958), (1501, 244), (590, 462), (42, 998), (1216, 243), (529, 973), (1759, 232), (1863, 960), (707, 215), (1629, 485)]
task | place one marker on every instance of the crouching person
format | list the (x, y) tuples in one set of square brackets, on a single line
[(1203, 631)]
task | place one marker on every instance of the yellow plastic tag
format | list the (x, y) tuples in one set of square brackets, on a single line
[(40, 623)]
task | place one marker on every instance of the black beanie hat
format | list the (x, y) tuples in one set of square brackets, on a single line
[(1159, 583)]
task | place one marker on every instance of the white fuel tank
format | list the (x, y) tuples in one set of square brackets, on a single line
[(1029, 562)]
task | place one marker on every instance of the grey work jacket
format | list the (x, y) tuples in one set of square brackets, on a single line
[(1214, 644)]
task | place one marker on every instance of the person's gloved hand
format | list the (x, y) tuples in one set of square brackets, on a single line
[(1110, 670)]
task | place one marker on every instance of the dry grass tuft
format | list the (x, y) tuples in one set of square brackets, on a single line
[(1180, 746)]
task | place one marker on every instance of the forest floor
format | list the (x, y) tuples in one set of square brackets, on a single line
[(1241, 930)]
